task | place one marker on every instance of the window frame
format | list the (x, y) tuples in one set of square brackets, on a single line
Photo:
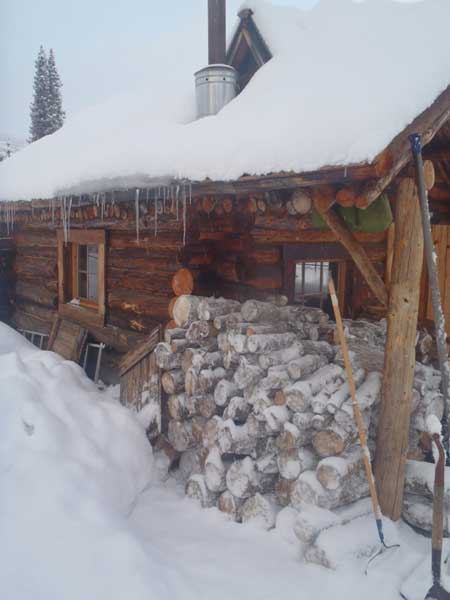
[(294, 254), (85, 311)]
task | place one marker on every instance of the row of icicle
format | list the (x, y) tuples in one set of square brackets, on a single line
[(160, 196)]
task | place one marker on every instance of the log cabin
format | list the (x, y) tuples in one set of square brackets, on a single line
[(294, 163)]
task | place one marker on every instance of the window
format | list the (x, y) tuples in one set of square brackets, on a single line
[(307, 269), (81, 276)]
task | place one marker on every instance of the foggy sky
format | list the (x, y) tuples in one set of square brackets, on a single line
[(102, 47)]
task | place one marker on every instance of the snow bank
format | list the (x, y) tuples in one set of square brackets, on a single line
[(338, 89), (72, 464)]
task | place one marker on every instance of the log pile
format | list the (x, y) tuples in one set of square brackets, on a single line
[(260, 410)]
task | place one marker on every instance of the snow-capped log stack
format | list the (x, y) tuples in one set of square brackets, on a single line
[(260, 409)]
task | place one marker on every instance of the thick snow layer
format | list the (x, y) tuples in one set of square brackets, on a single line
[(345, 78), (72, 464), (83, 517)]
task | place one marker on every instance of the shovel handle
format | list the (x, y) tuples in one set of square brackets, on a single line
[(356, 410)]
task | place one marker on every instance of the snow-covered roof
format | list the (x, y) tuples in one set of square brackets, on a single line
[(344, 80)]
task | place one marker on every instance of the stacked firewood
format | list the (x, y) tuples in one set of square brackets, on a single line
[(259, 406)]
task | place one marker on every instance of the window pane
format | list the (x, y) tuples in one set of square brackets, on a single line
[(92, 292), (311, 282), (82, 258), (82, 285)]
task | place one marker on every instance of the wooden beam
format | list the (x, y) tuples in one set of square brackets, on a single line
[(438, 153), (399, 360), (356, 251)]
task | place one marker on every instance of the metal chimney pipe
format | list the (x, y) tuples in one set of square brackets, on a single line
[(217, 31)]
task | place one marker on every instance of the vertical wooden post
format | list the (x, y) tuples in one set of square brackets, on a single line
[(399, 362)]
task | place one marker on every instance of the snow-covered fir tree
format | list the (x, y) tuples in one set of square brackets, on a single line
[(56, 113), (39, 110)]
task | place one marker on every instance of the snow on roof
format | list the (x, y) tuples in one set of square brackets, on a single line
[(345, 78)]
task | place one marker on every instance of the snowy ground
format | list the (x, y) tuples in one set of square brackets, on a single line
[(84, 514)]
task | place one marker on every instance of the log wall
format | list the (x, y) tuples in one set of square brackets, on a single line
[(234, 247)]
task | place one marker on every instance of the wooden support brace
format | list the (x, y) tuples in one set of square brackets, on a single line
[(356, 251)]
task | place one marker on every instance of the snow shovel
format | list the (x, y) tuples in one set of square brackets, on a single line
[(436, 592), (361, 431)]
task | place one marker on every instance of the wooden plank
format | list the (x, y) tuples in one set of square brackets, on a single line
[(67, 339), (140, 351), (83, 236), (82, 315), (101, 280), (358, 254), (400, 352), (446, 302)]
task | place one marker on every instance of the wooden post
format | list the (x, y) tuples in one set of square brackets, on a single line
[(356, 251), (399, 361)]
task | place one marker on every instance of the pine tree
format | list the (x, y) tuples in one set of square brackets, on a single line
[(56, 115), (39, 109)]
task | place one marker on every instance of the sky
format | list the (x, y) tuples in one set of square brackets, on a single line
[(102, 47)]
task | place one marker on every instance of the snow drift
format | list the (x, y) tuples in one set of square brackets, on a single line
[(345, 78), (72, 463)]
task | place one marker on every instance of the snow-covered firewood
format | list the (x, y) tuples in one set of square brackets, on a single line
[(277, 378), (173, 381), (289, 438), (320, 400), (179, 345), (202, 382), (165, 358), (276, 417), (207, 360), (267, 463), (266, 328), (199, 331), (210, 434), (229, 504), (305, 365), (323, 348), (203, 405), (198, 426), (237, 342), (323, 377), (197, 490), (231, 359), (418, 512), (192, 462), (215, 471), (224, 321), (431, 404), (176, 406), (256, 426), (332, 441), (332, 472), (419, 480), (320, 422), (259, 510), (185, 310), (269, 342), (283, 490), (281, 357), (298, 396), (180, 435), (235, 439), (293, 462), (210, 308), (309, 490), (242, 479), (247, 374), (225, 390), (176, 333), (254, 311), (338, 398), (238, 410)]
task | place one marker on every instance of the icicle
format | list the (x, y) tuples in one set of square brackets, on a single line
[(190, 194), (184, 215), (102, 206), (136, 207), (52, 204), (177, 194), (156, 214)]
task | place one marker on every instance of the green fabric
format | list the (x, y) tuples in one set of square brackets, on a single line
[(374, 219)]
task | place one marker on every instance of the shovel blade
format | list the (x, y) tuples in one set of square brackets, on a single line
[(437, 592)]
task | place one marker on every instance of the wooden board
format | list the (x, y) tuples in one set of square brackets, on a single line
[(67, 339)]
